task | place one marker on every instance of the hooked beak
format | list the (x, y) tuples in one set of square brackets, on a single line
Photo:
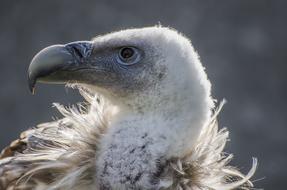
[(59, 63)]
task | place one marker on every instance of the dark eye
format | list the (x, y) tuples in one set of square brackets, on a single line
[(128, 55)]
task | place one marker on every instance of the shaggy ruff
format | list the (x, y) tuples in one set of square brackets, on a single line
[(61, 155)]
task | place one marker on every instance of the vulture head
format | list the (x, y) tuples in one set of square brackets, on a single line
[(159, 131), (152, 71)]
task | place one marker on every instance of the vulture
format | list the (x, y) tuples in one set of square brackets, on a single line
[(147, 121)]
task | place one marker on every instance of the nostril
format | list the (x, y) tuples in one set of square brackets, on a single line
[(77, 51), (80, 49)]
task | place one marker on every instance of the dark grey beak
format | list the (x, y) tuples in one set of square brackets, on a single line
[(57, 63)]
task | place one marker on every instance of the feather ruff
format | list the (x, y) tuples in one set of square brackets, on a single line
[(206, 166), (61, 155)]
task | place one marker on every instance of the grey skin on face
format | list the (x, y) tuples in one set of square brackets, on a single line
[(121, 69)]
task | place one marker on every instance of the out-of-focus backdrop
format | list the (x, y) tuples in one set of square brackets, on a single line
[(242, 44)]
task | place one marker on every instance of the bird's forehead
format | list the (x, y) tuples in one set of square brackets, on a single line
[(144, 37), (109, 43)]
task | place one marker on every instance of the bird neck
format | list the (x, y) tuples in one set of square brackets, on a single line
[(173, 116), (178, 119), (137, 145), (142, 137), (177, 112), (132, 152)]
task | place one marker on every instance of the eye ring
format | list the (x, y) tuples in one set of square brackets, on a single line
[(128, 55)]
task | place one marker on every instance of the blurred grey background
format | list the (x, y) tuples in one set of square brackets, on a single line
[(242, 44)]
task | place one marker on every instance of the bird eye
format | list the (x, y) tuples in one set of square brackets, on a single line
[(128, 55)]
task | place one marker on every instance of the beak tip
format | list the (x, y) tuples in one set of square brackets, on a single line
[(32, 83), (32, 90)]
